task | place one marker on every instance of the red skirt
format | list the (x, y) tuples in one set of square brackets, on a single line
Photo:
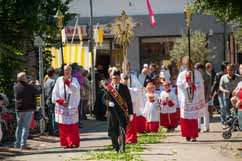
[(168, 120), (152, 126), (189, 128), (141, 121), (178, 114), (69, 135), (32, 123), (131, 132)]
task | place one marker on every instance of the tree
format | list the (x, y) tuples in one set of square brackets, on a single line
[(225, 10), (20, 20), (199, 50), (123, 31)]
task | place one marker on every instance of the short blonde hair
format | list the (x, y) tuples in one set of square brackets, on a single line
[(20, 76)]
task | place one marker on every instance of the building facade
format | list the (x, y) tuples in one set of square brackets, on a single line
[(150, 43)]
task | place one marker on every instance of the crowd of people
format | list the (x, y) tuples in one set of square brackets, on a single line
[(131, 103)]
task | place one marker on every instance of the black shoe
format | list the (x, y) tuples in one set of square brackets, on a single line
[(25, 148), (115, 150), (122, 151), (194, 140), (188, 139)]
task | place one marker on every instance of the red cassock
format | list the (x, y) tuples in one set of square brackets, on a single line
[(141, 121), (152, 126), (168, 120), (32, 123), (178, 114), (131, 131), (189, 127), (69, 135)]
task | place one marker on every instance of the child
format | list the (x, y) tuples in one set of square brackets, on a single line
[(236, 101), (151, 112), (168, 103)]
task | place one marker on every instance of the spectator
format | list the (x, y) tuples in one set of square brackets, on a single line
[(86, 93), (25, 105), (48, 88), (227, 84)]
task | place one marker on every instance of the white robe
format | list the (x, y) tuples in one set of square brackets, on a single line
[(138, 100), (171, 96), (66, 115), (190, 110), (151, 111), (1, 133)]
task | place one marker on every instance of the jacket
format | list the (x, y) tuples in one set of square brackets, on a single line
[(25, 96)]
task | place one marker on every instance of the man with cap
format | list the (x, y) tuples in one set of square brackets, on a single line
[(120, 111), (24, 106)]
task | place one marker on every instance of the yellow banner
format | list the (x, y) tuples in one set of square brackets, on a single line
[(72, 53)]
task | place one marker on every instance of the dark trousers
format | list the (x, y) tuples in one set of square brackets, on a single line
[(52, 125), (116, 131)]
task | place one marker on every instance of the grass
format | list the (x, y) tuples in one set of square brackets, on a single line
[(132, 150)]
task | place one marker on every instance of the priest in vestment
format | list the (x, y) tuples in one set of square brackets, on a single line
[(66, 96), (191, 100)]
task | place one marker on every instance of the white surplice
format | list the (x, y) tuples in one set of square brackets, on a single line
[(151, 111), (138, 100), (171, 96), (66, 115), (190, 110)]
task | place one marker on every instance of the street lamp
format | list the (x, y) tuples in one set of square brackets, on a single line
[(92, 56), (59, 23), (188, 16)]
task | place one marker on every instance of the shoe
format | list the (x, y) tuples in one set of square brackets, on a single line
[(121, 151), (224, 127), (25, 148), (188, 139), (194, 140), (74, 146), (199, 130), (115, 150), (205, 131)]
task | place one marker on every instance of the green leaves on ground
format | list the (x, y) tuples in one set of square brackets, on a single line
[(133, 151)]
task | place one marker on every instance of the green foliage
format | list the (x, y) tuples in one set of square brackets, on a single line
[(20, 20), (225, 10), (238, 39), (132, 150), (152, 138), (199, 50), (10, 60)]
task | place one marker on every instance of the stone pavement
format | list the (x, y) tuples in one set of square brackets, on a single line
[(210, 146)]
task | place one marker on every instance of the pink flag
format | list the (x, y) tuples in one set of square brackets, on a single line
[(152, 17)]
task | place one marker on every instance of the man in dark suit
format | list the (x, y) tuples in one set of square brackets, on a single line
[(117, 121)]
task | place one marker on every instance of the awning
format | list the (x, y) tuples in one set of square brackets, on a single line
[(73, 53)]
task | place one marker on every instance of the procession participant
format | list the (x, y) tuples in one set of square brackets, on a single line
[(168, 103), (66, 96), (131, 131), (191, 100), (151, 110), (120, 111), (207, 89)]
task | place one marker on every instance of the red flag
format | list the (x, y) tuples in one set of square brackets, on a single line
[(152, 17)]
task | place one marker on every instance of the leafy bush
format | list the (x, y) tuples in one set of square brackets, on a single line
[(199, 50)]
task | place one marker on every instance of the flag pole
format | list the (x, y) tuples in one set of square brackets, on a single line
[(92, 55)]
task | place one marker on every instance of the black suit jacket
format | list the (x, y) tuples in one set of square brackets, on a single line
[(125, 94), (116, 116)]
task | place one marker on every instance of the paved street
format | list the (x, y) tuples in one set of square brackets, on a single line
[(210, 146)]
